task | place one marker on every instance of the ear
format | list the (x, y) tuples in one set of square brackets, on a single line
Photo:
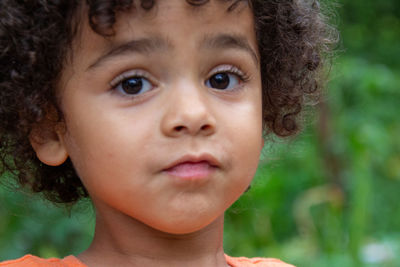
[(47, 141)]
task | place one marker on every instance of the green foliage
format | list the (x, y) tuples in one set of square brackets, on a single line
[(32, 225), (330, 197), (327, 198), (370, 29)]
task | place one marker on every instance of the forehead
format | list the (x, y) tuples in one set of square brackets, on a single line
[(175, 10), (171, 17), (174, 22)]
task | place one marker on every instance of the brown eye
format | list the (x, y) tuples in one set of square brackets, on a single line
[(223, 81), (134, 86)]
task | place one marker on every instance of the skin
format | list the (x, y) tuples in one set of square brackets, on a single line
[(122, 145)]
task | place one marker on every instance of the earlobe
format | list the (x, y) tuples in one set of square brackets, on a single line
[(49, 146)]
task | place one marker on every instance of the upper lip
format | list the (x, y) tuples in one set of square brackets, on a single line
[(210, 159)]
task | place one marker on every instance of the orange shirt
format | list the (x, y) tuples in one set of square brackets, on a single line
[(33, 261), (71, 261), (255, 262)]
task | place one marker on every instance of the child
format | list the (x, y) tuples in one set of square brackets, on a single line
[(156, 110)]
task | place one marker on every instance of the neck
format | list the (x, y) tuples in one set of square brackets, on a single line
[(128, 242)]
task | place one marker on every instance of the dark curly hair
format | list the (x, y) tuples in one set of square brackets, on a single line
[(294, 40)]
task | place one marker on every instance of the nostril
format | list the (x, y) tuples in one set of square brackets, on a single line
[(179, 128), (205, 127)]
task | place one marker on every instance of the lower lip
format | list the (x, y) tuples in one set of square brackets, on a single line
[(191, 170)]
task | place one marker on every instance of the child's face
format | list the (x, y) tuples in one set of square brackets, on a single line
[(175, 139)]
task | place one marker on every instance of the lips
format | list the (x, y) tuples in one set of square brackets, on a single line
[(192, 167)]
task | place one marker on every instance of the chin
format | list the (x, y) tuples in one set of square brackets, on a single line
[(185, 227)]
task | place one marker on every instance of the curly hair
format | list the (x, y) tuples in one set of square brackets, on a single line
[(293, 37)]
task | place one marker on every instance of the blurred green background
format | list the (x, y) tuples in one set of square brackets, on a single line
[(330, 197)]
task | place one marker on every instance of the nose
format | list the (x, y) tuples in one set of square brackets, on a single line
[(188, 112)]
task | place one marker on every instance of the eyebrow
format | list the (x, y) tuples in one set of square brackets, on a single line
[(141, 46), (153, 44), (227, 41)]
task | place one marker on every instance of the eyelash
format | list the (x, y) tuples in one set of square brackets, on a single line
[(129, 74), (139, 74), (242, 76)]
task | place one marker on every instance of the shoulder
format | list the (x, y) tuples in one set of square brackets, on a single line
[(33, 261), (257, 262)]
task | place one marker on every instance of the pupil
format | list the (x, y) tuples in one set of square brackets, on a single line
[(132, 85), (220, 81)]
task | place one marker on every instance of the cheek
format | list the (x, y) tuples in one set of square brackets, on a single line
[(250, 135), (245, 123), (102, 145), (247, 151), (244, 137)]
